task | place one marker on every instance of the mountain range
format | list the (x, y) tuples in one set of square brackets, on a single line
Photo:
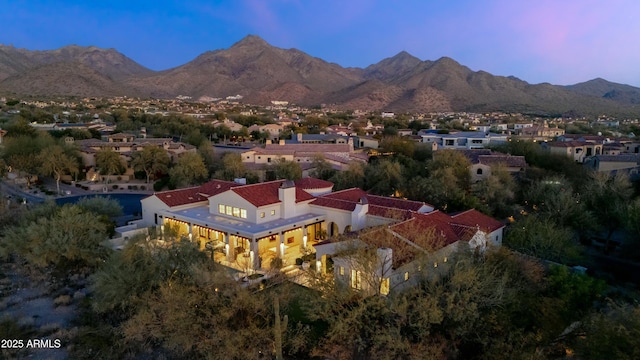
[(261, 73)]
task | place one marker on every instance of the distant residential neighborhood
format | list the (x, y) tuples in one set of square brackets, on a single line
[(420, 213)]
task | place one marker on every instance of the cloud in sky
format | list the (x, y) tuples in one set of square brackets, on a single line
[(557, 41)]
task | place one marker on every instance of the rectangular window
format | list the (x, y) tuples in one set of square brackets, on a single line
[(236, 212), (341, 270), (262, 214), (406, 276), (356, 279), (221, 208), (243, 213), (229, 210), (384, 286), (273, 212)]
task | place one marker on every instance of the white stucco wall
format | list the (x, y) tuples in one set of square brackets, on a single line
[(230, 198)]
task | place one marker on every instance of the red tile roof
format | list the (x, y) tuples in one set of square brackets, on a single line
[(389, 213), (334, 203), (194, 194), (257, 194), (475, 218), (267, 193), (355, 194), (313, 183)]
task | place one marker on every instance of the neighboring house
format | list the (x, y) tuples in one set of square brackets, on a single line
[(482, 162), (632, 147), (613, 148), (481, 128), (405, 132), (340, 130), (274, 130), (596, 139), (366, 142), (300, 138), (391, 258), (232, 125), (579, 151), (127, 145), (612, 164), (463, 140), (340, 155), (522, 125), (540, 132)]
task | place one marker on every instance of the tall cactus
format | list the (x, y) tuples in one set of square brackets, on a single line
[(280, 327)]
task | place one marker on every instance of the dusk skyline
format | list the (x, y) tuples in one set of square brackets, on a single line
[(560, 42)]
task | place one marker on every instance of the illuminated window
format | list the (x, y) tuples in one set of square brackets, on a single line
[(229, 210), (435, 264), (273, 212), (445, 259), (235, 212), (221, 208), (406, 276), (356, 279), (243, 213), (419, 267), (384, 286), (262, 214), (341, 270)]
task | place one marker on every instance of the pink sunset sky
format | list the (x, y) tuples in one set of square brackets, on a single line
[(558, 41)]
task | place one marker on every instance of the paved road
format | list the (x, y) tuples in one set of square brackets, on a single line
[(17, 193)]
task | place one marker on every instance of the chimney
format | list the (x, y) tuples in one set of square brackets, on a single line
[(287, 197), (385, 258)]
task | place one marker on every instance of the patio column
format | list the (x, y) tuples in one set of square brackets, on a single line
[(229, 249), (280, 249), (254, 254), (305, 236)]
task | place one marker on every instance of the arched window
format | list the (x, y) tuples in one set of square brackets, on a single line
[(479, 171)]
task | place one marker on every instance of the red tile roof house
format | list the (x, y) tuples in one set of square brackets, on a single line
[(246, 226), (391, 258)]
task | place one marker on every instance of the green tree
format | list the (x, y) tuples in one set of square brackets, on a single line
[(151, 160), (209, 157), (612, 333), (352, 176), (189, 169), (322, 169), (542, 238), (232, 167), (56, 162), (109, 163), (101, 206), (497, 192), (384, 178), (285, 169), (21, 153), (69, 238), (609, 197)]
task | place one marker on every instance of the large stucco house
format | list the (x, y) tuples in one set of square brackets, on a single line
[(248, 226)]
